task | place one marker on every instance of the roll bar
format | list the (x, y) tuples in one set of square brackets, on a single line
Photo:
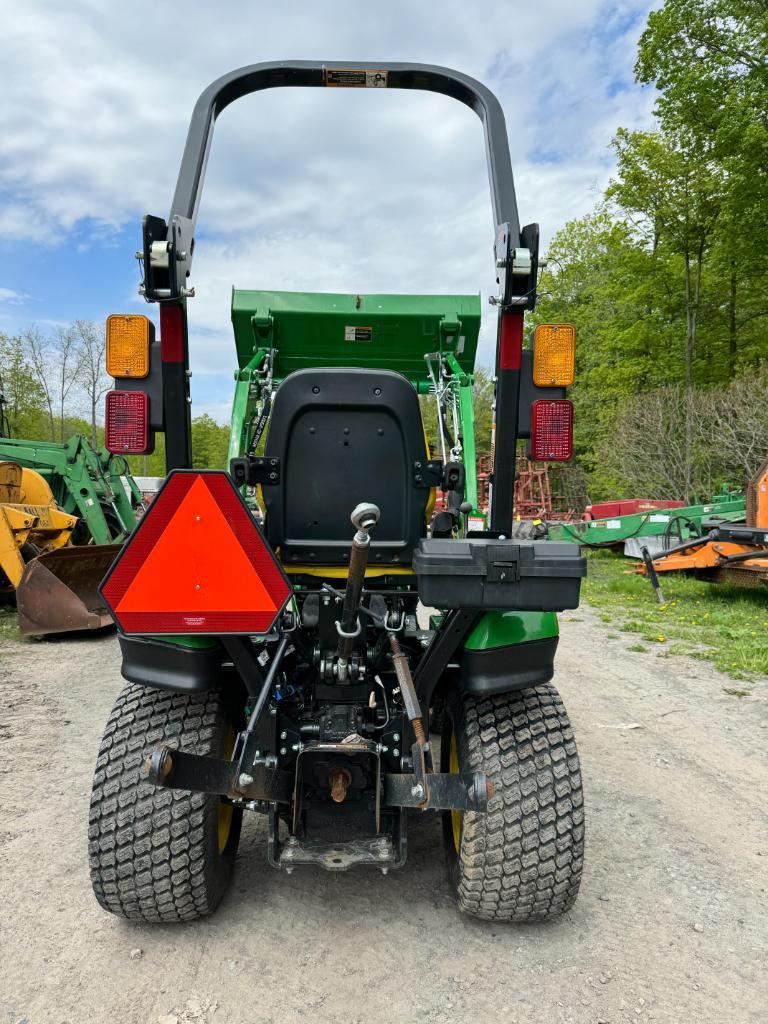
[(254, 78), (169, 246)]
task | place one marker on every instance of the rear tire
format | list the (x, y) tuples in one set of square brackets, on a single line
[(160, 854), (522, 860)]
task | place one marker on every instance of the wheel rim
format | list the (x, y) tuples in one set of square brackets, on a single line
[(226, 810), (453, 767)]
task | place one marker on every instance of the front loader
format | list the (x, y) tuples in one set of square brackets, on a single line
[(54, 584), (292, 630), (93, 498)]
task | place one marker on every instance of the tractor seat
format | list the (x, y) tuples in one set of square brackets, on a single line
[(344, 436)]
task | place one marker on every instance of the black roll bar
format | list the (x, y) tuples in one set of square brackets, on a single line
[(168, 247), (427, 77)]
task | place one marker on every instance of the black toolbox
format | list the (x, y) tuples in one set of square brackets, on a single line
[(484, 572)]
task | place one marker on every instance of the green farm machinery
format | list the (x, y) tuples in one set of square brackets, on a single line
[(58, 590), (431, 340), (96, 486), (651, 525), (292, 630)]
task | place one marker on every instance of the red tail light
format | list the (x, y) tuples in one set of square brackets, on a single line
[(552, 430), (127, 422)]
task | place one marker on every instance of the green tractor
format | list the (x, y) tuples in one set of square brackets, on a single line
[(297, 633)]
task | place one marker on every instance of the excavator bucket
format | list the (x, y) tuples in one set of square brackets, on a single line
[(59, 591)]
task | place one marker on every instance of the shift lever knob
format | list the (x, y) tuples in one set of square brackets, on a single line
[(365, 515)]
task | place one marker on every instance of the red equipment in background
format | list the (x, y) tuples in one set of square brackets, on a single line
[(533, 494), (628, 507)]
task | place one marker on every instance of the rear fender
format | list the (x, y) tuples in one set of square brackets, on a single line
[(509, 650), (188, 665)]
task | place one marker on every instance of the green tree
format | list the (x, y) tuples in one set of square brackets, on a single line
[(673, 190), (210, 443), (25, 406), (709, 60)]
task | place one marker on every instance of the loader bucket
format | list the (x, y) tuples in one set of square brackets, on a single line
[(59, 591)]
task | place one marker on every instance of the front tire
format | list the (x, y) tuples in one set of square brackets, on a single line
[(522, 859), (158, 854)]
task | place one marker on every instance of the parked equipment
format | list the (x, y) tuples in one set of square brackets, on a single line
[(29, 519), (67, 508), (655, 525), (55, 585), (284, 671), (727, 552), (96, 486)]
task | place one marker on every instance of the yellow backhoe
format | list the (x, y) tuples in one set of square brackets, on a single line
[(34, 532)]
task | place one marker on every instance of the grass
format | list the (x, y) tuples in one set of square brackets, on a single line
[(722, 624), (9, 627)]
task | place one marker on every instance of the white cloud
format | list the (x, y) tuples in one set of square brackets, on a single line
[(349, 192), (11, 296)]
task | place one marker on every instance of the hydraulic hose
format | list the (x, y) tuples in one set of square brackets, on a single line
[(745, 556)]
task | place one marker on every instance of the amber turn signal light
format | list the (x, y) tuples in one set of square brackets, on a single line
[(554, 355), (128, 343)]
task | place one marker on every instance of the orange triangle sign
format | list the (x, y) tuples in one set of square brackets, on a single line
[(196, 563)]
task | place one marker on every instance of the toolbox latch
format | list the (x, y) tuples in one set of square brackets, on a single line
[(503, 565)]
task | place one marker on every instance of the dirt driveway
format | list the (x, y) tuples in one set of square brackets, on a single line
[(670, 925)]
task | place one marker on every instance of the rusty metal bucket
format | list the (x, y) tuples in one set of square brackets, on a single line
[(59, 591)]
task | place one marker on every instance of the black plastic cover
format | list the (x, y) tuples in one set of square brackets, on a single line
[(502, 669), (165, 666), (485, 572)]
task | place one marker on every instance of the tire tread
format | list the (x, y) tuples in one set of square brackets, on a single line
[(150, 849), (523, 859)]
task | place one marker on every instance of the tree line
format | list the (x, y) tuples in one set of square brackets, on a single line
[(54, 382), (666, 279)]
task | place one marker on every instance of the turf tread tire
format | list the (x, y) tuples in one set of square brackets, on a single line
[(154, 852), (522, 860)]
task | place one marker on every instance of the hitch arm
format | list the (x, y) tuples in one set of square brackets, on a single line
[(464, 791), (175, 769)]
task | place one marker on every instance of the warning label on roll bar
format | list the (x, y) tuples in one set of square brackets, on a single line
[(358, 334), (352, 78)]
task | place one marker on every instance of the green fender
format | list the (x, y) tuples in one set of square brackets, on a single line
[(509, 650), (196, 642), (502, 629)]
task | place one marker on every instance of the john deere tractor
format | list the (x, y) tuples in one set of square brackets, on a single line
[(295, 633)]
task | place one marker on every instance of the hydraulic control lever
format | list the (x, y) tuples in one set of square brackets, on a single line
[(364, 517)]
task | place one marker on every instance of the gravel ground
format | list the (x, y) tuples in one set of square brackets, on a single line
[(670, 925)]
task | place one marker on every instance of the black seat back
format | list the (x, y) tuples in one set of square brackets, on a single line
[(344, 436)]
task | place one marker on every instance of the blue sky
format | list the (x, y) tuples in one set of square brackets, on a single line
[(306, 189)]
